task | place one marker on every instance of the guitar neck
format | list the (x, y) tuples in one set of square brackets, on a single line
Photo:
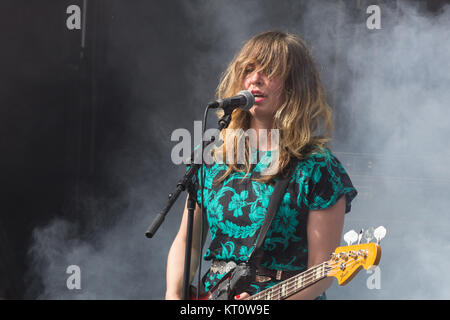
[(294, 284)]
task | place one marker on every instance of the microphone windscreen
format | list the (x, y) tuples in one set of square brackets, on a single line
[(249, 98)]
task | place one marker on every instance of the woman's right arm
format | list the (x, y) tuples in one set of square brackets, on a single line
[(175, 259)]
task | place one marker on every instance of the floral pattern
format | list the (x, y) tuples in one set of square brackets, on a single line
[(237, 203), (237, 206)]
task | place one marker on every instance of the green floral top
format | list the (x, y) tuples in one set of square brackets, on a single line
[(236, 207)]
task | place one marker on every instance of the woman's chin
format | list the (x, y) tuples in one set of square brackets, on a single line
[(260, 113), (258, 110)]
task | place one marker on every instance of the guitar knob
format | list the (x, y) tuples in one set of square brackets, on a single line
[(379, 233), (350, 237)]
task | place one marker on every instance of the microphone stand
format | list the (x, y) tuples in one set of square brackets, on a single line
[(186, 183)]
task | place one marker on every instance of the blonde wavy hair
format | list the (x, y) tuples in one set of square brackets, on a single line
[(304, 109)]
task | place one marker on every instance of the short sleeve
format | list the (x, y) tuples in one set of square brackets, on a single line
[(328, 182), (197, 182)]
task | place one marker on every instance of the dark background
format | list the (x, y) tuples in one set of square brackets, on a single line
[(82, 124)]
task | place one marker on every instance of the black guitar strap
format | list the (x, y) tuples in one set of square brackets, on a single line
[(274, 203), (244, 273)]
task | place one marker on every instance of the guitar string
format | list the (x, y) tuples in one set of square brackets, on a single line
[(276, 292), (309, 279), (292, 283), (305, 275)]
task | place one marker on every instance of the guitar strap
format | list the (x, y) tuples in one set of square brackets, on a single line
[(243, 273), (274, 203)]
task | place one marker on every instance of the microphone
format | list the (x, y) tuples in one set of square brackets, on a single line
[(243, 99)]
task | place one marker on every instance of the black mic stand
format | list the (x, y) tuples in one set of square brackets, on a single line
[(187, 183)]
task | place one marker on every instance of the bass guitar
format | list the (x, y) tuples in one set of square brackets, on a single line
[(345, 262)]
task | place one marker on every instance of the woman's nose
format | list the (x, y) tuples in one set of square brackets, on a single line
[(255, 77)]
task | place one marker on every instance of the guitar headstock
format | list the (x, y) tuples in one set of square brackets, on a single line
[(347, 261)]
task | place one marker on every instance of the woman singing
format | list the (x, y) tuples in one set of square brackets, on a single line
[(279, 70)]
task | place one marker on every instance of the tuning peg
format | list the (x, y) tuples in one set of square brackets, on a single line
[(360, 236), (379, 233), (368, 234), (350, 237)]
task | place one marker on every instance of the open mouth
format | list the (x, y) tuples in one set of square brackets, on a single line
[(259, 96), (257, 93)]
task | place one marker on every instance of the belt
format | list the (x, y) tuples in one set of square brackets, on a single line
[(262, 274)]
